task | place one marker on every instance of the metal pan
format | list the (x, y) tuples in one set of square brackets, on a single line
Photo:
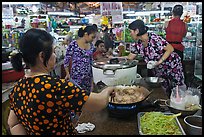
[(154, 81), (113, 105), (174, 110), (147, 94)]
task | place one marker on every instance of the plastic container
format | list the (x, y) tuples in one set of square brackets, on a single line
[(177, 99)]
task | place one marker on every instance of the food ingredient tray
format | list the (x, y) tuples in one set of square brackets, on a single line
[(140, 114)]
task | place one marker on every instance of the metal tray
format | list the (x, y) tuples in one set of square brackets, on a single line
[(140, 114)]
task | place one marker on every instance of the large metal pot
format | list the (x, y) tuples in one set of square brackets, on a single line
[(122, 73), (127, 110)]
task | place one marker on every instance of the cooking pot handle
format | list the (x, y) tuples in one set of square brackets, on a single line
[(159, 102), (105, 71)]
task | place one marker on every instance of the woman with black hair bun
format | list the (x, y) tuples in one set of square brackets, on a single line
[(79, 57), (41, 104)]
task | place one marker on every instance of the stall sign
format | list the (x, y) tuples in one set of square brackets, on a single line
[(97, 19), (105, 8), (116, 12), (7, 16)]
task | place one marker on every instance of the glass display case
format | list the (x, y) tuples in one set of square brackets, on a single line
[(198, 52)]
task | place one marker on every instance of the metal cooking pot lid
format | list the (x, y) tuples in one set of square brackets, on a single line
[(121, 65)]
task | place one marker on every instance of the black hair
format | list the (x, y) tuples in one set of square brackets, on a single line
[(31, 44), (178, 10), (88, 29), (98, 42), (95, 26), (105, 29), (138, 24)]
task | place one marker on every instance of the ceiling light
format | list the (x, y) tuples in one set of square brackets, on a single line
[(19, 3)]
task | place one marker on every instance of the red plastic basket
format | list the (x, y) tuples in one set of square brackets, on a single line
[(11, 75)]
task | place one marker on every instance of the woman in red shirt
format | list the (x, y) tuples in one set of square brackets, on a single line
[(176, 29)]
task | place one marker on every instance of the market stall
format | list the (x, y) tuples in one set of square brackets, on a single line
[(61, 19), (105, 124)]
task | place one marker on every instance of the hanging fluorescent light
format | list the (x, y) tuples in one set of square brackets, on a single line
[(19, 3), (61, 13), (199, 3), (147, 13), (128, 12)]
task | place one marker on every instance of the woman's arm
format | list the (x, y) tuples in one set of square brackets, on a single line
[(168, 50), (131, 56), (16, 128), (166, 25), (98, 101)]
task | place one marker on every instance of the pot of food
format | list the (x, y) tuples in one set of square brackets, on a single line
[(127, 100), (115, 73), (189, 110)]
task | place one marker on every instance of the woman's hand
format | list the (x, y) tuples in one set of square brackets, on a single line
[(110, 91), (98, 101)]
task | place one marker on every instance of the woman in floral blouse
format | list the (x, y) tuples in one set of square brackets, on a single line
[(154, 48), (79, 57)]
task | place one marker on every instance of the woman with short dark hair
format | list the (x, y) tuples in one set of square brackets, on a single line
[(176, 30)]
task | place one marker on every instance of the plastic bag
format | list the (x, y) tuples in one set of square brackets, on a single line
[(177, 98), (151, 64)]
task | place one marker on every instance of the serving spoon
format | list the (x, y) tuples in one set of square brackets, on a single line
[(171, 117)]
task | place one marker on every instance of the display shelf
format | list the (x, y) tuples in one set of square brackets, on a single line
[(198, 53), (43, 21)]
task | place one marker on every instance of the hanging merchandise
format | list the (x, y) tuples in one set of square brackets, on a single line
[(104, 20), (84, 21), (187, 19), (54, 23), (152, 17), (118, 34)]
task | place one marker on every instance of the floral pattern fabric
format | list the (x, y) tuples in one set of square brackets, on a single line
[(170, 69), (43, 104), (81, 68)]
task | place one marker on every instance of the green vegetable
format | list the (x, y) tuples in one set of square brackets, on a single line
[(4, 131), (128, 37), (156, 123)]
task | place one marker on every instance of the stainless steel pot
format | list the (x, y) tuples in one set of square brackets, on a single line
[(154, 81), (193, 124), (123, 73)]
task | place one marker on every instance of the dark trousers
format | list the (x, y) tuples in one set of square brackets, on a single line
[(180, 53)]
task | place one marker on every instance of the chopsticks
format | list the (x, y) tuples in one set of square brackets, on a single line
[(112, 96)]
